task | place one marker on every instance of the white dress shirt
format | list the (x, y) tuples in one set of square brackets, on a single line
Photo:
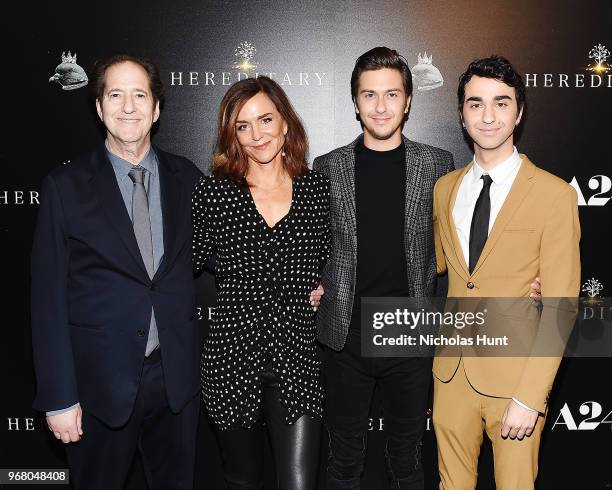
[(503, 176)]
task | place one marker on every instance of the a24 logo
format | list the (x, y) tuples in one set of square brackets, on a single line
[(592, 410), (602, 183)]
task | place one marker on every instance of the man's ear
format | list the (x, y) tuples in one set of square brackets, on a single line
[(156, 112), (408, 100), (99, 109), (520, 115)]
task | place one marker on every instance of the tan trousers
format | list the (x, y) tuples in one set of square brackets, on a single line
[(460, 416)]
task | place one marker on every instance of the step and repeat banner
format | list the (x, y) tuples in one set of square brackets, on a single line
[(562, 49)]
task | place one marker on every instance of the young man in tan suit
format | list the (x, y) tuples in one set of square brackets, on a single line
[(499, 222)]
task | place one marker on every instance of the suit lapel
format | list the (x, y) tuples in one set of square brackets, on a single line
[(520, 188), (170, 191), (107, 189), (450, 222)]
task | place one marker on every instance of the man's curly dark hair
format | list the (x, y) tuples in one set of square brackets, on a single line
[(496, 67)]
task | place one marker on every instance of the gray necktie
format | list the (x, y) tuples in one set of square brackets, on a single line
[(142, 229)]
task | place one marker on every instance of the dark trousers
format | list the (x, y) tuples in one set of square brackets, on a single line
[(349, 381), (295, 447), (165, 441)]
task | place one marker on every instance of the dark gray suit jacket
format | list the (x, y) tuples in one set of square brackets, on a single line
[(424, 165)]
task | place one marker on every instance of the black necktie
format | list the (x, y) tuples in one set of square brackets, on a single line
[(479, 230)]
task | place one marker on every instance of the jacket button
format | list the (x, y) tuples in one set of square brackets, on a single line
[(140, 333), (470, 285), (152, 287)]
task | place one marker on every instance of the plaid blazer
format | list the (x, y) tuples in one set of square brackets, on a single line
[(424, 165)]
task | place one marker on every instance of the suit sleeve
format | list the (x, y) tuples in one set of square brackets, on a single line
[(203, 243), (440, 259), (560, 248), (326, 229), (560, 277), (51, 343)]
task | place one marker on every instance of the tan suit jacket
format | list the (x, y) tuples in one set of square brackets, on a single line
[(536, 233)]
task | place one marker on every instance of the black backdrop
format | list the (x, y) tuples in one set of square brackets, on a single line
[(310, 47)]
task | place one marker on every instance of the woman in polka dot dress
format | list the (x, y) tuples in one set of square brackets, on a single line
[(265, 217)]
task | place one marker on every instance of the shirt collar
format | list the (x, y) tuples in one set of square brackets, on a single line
[(501, 172), (123, 167)]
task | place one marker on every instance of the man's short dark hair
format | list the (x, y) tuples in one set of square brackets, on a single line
[(496, 67), (100, 66), (377, 59)]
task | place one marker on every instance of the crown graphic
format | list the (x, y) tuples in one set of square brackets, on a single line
[(423, 59), (71, 58)]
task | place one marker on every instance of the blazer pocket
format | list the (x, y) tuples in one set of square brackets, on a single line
[(519, 230)]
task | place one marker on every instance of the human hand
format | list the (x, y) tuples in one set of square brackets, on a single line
[(518, 422), (536, 290), (315, 297), (67, 425)]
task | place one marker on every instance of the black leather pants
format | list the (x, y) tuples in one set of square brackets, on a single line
[(295, 447)]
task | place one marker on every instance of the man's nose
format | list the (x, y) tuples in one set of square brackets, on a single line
[(128, 105), (488, 115), (380, 105)]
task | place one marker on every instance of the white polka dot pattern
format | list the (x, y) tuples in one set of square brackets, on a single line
[(263, 314)]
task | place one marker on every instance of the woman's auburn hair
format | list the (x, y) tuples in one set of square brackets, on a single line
[(229, 159)]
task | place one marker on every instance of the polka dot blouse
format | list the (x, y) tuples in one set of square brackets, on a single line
[(263, 315)]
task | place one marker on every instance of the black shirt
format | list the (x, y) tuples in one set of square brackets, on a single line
[(380, 197)]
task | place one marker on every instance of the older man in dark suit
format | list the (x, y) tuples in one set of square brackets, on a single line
[(115, 340)]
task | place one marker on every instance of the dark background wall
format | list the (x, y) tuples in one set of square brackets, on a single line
[(310, 47)]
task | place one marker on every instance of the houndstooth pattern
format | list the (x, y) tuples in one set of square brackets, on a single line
[(424, 166)]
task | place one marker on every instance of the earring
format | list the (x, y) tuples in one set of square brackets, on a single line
[(283, 153)]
